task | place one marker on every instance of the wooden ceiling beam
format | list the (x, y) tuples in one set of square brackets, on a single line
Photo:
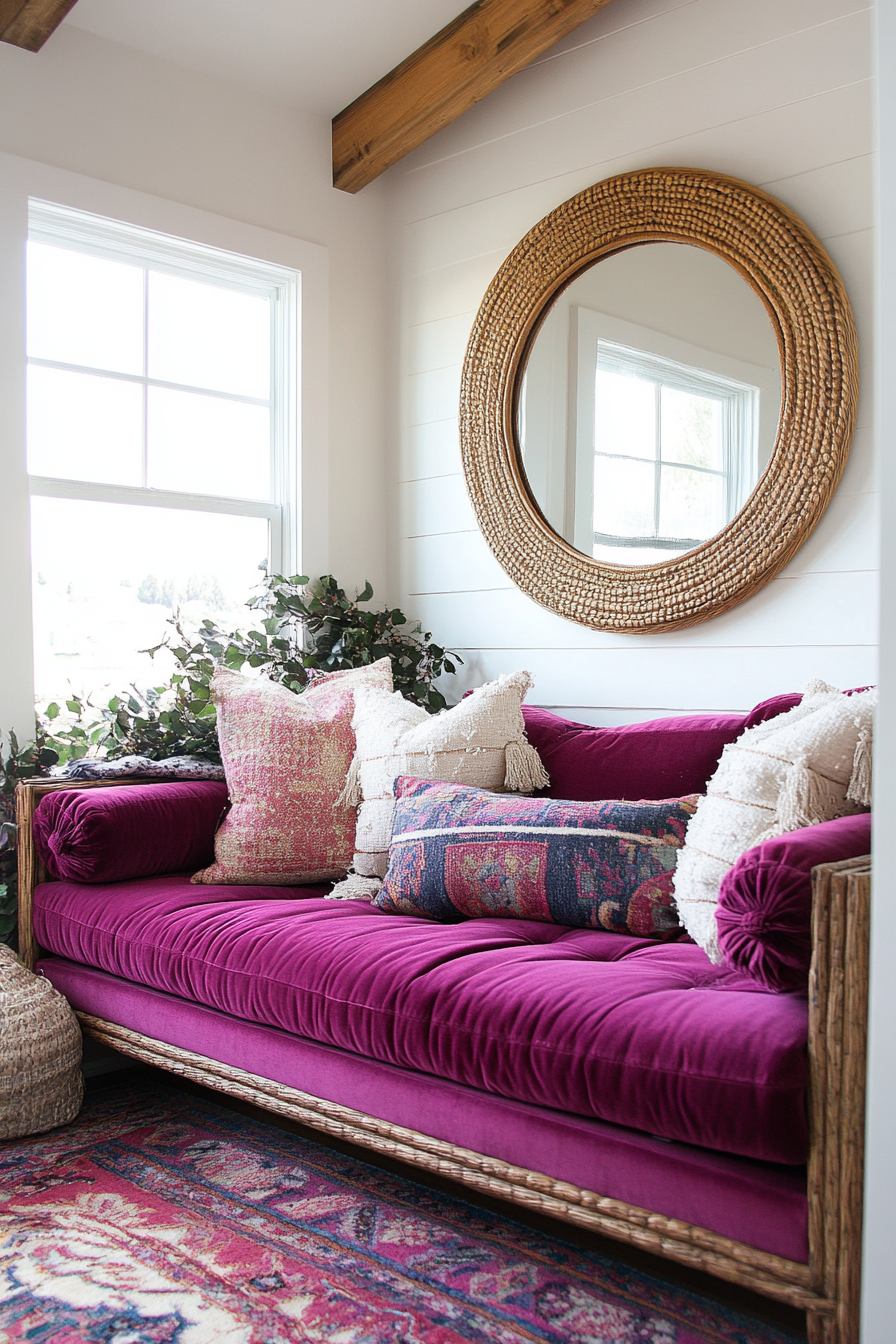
[(29, 24), (468, 59)]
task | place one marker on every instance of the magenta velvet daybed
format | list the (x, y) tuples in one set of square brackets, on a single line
[(621, 1083)]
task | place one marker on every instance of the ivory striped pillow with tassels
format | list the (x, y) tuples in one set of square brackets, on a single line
[(481, 741)]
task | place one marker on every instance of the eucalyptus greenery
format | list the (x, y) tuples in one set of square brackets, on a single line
[(302, 629), (18, 762), (8, 885), (30, 761), (8, 852)]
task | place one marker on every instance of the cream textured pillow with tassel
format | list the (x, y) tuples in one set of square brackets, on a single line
[(809, 765), (480, 742)]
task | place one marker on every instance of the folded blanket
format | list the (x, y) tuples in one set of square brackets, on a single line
[(141, 767)]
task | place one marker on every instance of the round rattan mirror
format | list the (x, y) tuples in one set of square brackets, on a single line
[(787, 269)]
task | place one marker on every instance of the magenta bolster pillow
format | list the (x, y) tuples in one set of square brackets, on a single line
[(765, 902), (136, 830)]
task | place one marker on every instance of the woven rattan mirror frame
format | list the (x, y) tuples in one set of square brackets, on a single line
[(810, 313)]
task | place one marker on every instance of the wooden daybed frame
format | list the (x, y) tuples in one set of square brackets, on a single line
[(827, 1289)]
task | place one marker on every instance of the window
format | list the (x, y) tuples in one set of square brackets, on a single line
[(162, 440), (673, 448)]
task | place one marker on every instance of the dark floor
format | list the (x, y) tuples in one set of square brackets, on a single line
[(730, 1295)]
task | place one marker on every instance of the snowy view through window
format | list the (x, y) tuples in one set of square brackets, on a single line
[(108, 576)]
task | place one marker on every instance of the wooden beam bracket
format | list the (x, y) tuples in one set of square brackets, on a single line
[(472, 56), (28, 23)]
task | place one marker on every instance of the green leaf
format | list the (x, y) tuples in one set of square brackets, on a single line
[(302, 626)]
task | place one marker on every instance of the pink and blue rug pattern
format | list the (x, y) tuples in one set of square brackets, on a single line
[(159, 1219)]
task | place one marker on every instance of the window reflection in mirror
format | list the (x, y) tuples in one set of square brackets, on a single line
[(649, 404)]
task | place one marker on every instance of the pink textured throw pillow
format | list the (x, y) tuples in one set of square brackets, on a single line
[(286, 758)]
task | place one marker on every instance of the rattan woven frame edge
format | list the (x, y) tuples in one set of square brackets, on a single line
[(837, 1055), (700, 1248), (828, 1289), (31, 870), (810, 313)]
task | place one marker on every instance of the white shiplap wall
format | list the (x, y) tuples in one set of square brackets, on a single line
[(778, 93)]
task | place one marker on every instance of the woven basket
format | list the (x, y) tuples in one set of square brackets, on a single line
[(40, 1053)]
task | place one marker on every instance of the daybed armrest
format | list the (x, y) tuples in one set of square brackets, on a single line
[(128, 829), (31, 869), (838, 1033), (838, 914)]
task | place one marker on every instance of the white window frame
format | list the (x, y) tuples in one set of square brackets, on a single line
[(683, 362), (22, 180), (77, 231), (739, 430)]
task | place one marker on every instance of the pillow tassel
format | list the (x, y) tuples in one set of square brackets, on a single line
[(859, 790), (351, 789), (806, 799), (524, 771), (355, 888)]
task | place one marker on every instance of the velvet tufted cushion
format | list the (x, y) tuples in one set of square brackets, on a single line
[(765, 902), (134, 830), (622, 1029), (760, 1204)]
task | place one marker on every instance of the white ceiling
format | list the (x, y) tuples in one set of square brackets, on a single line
[(317, 55)]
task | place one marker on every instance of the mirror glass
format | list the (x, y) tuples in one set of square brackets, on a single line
[(649, 403)]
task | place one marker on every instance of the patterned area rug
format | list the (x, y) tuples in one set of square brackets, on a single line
[(157, 1219)]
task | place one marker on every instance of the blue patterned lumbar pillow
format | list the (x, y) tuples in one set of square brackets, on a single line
[(462, 853)]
